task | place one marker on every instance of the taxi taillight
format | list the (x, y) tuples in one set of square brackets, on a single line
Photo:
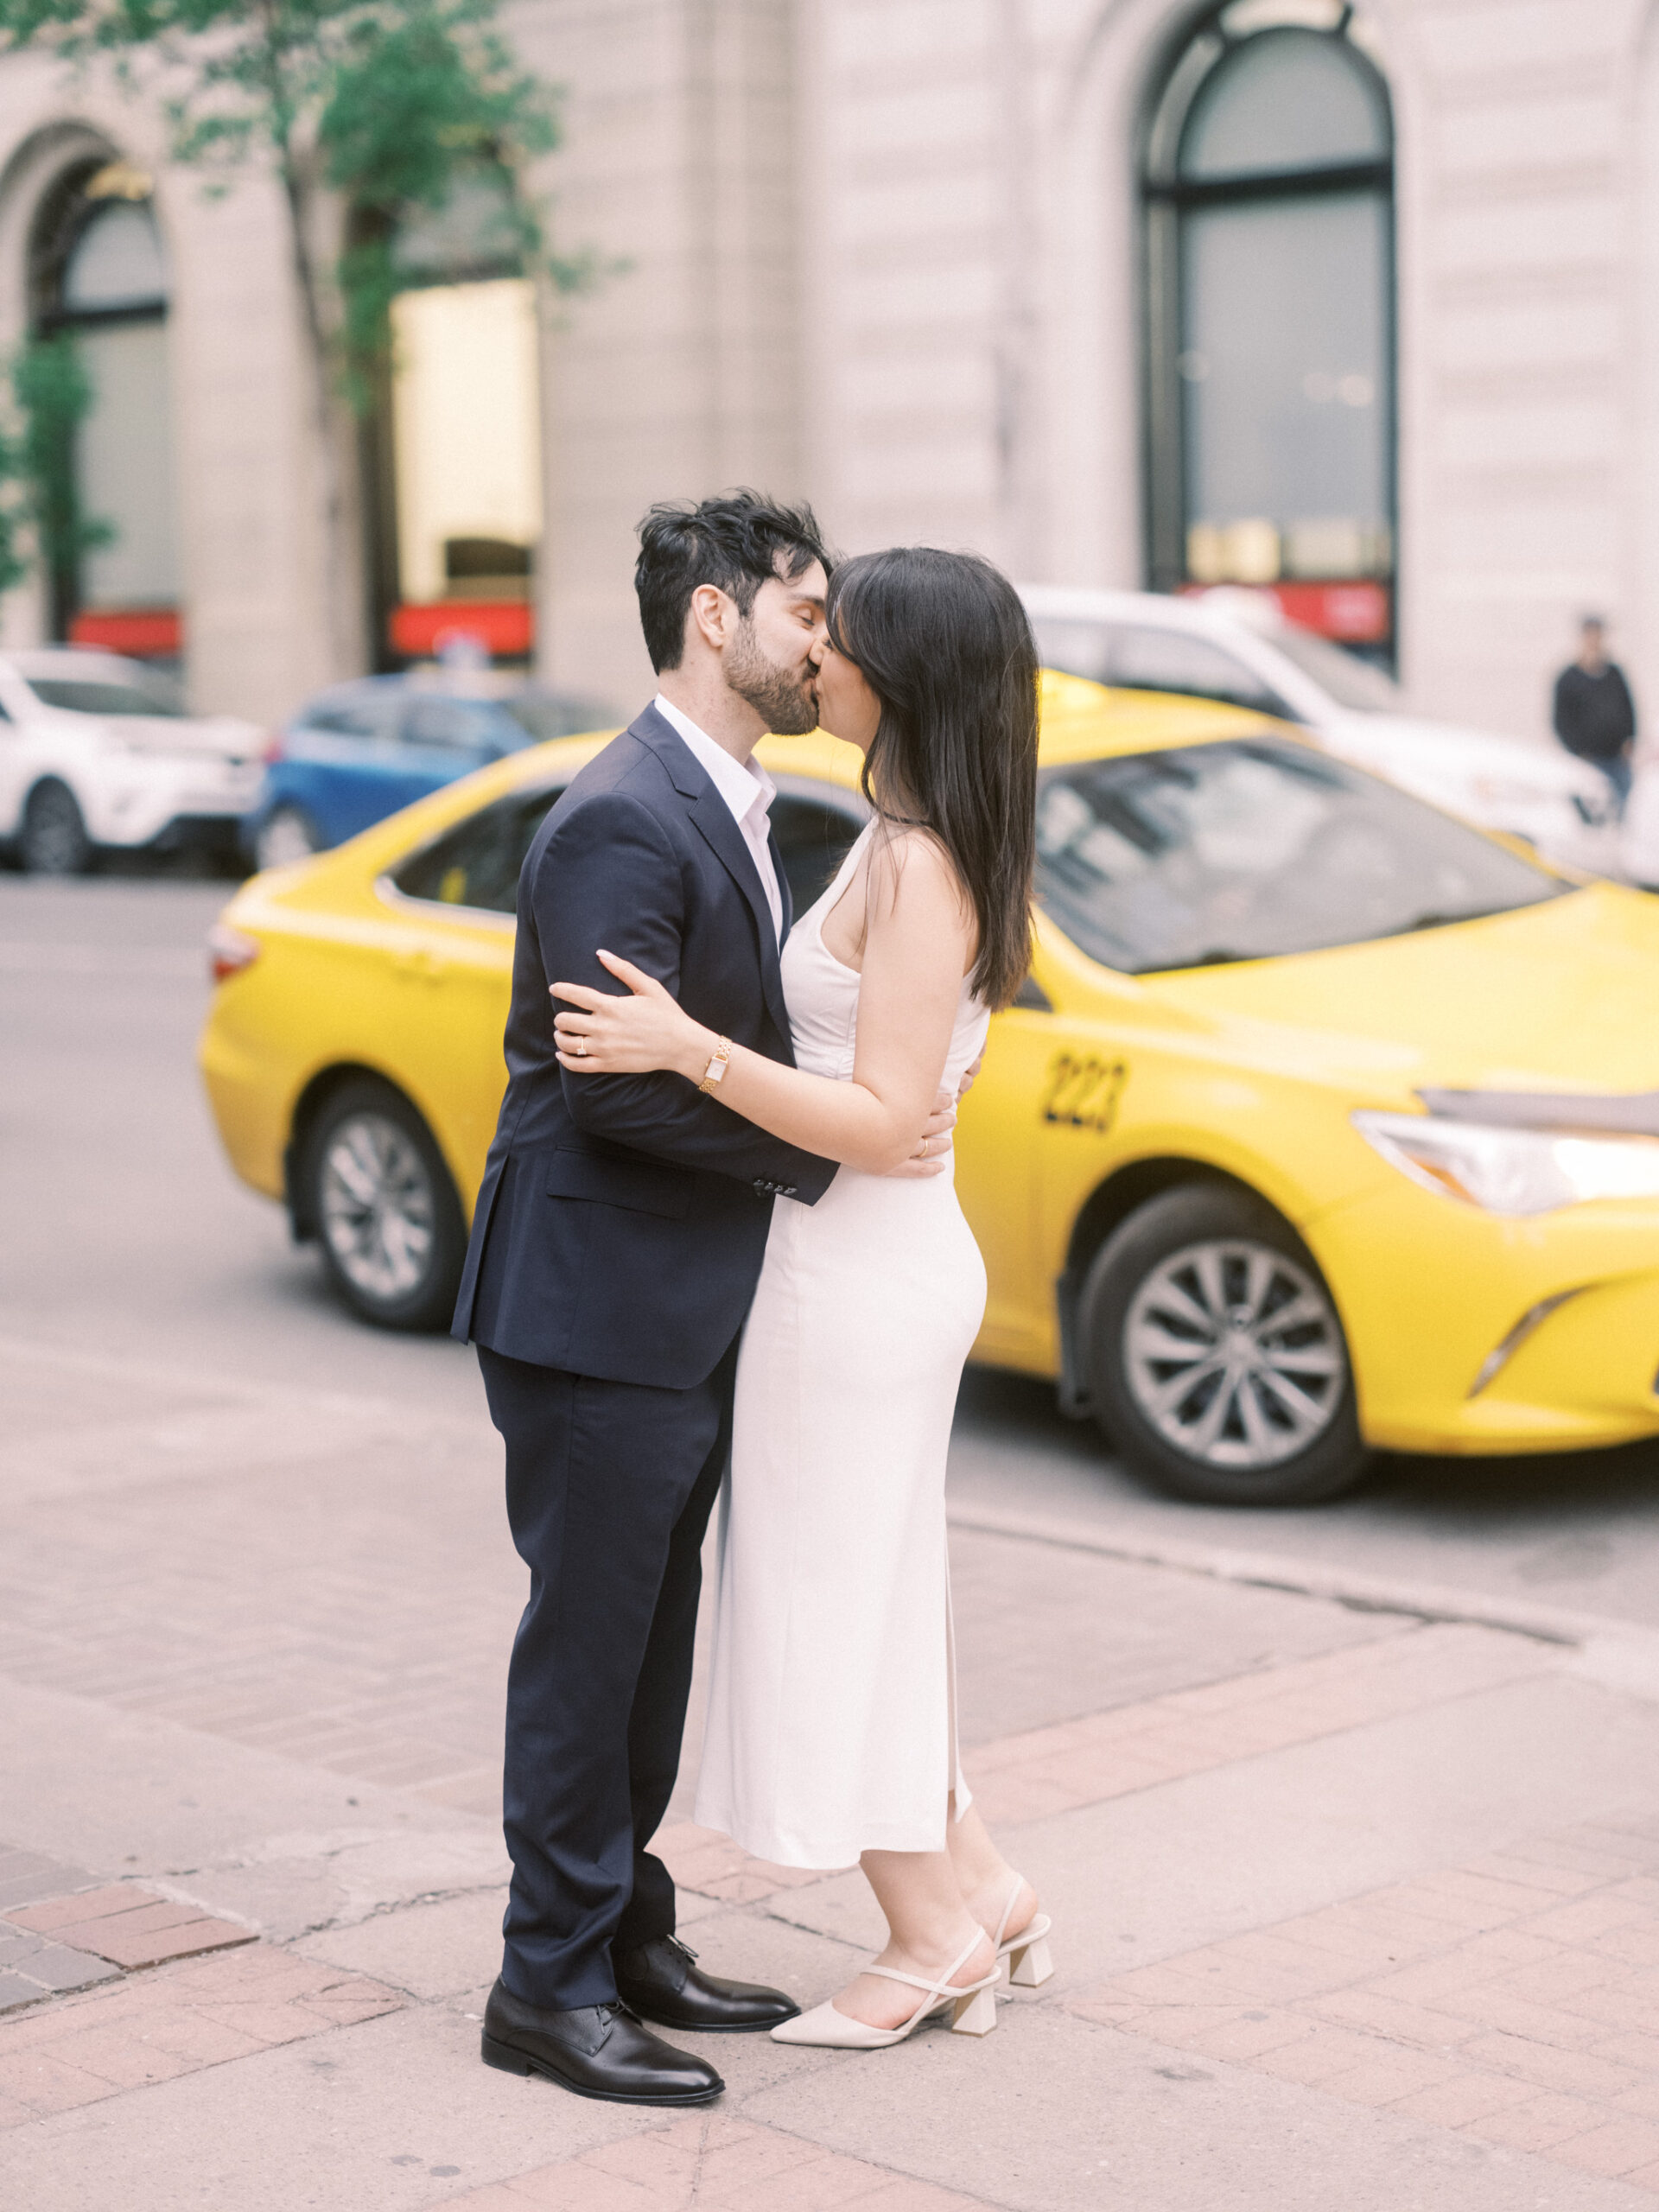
[(229, 952)]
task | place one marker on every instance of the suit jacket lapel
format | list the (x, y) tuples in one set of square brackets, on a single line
[(777, 869), (713, 819)]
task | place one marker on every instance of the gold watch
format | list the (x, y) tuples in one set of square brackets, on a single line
[(717, 1065)]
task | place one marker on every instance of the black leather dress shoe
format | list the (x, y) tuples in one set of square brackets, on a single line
[(663, 1981), (597, 2051)]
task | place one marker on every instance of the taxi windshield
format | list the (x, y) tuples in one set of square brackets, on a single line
[(1251, 849)]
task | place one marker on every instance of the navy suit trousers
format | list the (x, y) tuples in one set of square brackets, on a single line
[(609, 1490)]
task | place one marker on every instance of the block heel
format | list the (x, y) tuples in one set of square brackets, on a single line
[(1030, 1964), (976, 2014)]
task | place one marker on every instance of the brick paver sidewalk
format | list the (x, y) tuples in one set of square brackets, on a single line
[(715, 2165), (1516, 1998), (1135, 1747), (311, 1653), (176, 2020)]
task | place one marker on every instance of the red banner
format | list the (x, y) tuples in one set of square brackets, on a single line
[(156, 632), (1360, 613), (506, 628)]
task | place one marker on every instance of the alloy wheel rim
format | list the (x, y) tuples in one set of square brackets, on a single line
[(377, 1207), (1233, 1353)]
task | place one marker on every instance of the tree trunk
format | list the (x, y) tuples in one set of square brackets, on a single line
[(341, 585)]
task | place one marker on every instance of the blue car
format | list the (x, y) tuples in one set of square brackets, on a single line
[(359, 750)]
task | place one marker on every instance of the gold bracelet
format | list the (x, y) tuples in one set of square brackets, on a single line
[(717, 1066)]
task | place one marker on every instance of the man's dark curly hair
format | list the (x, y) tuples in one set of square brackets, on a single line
[(735, 541)]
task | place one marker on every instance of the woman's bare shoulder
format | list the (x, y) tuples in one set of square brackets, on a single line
[(914, 883), (909, 855)]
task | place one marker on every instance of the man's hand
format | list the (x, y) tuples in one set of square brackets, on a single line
[(968, 1074), (934, 1150)]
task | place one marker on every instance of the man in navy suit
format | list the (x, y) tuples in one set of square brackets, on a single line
[(615, 1250)]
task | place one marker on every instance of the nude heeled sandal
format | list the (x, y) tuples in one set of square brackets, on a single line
[(972, 2009), (1027, 1955)]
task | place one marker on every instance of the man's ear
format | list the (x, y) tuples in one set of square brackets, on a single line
[(713, 612)]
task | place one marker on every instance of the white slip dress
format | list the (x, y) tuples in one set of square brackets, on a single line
[(832, 1725)]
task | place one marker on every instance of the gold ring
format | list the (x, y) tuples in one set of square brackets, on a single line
[(581, 1048)]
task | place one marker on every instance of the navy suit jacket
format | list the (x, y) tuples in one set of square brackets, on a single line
[(622, 1220)]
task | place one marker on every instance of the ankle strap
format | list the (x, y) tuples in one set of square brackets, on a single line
[(1008, 1909), (942, 1986)]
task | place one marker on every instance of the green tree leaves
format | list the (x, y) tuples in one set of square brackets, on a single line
[(390, 106), (40, 514)]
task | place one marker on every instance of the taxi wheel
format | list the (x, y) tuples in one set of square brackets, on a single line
[(1217, 1361), (55, 840), (384, 1209)]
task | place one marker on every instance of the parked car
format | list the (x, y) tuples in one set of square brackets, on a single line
[(359, 750), (1234, 645), (97, 751), (1304, 1135)]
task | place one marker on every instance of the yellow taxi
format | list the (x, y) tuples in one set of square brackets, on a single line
[(1323, 1122)]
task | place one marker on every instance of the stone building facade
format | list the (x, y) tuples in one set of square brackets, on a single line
[(1008, 274)]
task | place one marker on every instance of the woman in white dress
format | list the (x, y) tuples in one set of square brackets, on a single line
[(832, 1734)]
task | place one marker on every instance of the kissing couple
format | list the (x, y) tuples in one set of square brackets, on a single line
[(718, 1240)]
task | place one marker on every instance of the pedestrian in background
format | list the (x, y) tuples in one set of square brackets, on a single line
[(1595, 715)]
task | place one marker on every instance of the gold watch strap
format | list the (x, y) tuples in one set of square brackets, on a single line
[(717, 1065)]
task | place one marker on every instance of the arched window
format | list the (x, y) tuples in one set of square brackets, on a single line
[(457, 438), (1267, 184), (98, 271)]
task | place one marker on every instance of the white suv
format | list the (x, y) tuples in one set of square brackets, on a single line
[(1234, 644), (96, 750)]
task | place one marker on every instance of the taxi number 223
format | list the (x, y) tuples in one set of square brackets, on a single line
[(1083, 1094)]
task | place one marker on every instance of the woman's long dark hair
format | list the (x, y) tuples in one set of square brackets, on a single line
[(946, 644)]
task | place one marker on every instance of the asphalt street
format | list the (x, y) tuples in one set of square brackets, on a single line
[(127, 1242)]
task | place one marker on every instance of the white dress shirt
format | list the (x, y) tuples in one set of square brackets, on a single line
[(748, 791)]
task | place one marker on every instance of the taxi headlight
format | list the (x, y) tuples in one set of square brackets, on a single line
[(1512, 1171)]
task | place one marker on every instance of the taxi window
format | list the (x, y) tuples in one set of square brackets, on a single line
[(1250, 849), (460, 725), (1151, 657), (83, 694), (813, 838), (1147, 657), (477, 862), (372, 714)]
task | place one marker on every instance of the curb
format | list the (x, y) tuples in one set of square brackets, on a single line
[(1619, 1654)]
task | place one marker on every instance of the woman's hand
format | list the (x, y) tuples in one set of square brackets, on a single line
[(628, 1036)]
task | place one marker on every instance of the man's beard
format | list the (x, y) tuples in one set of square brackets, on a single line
[(784, 700)]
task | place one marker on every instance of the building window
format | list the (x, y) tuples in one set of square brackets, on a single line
[(1268, 194), (459, 457), (98, 271)]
